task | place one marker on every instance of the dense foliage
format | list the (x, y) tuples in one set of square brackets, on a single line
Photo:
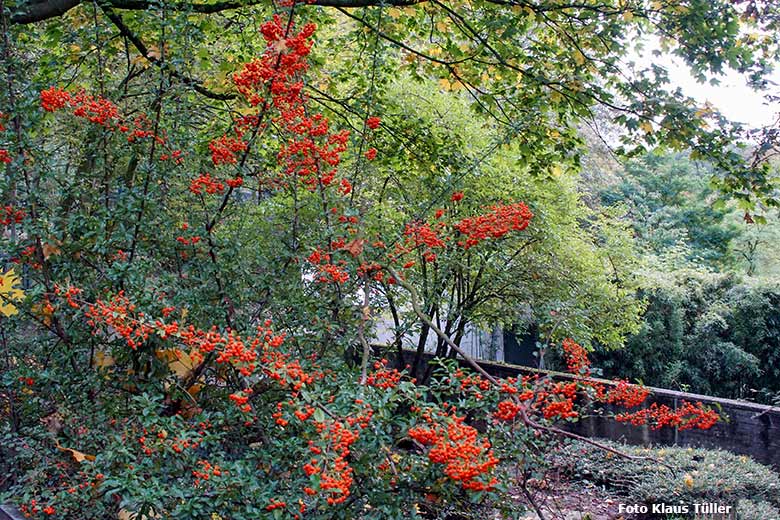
[(708, 278), (705, 333), (671, 209)]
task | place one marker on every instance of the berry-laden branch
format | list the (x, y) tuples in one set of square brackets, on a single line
[(457, 447)]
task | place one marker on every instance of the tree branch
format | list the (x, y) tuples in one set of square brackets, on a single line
[(37, 11), (125, 31)]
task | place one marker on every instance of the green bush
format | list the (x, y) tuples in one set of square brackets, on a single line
[(706, 333)]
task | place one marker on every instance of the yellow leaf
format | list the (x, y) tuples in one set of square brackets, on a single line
[(579, 57), (394, 13), (688, 479), (441, 26), (647, 126), (103, 360), (556, 170), (628, 16), (555, 96), (43, 311), (179, 362), (450, 85), (139, 60), (9, 293)]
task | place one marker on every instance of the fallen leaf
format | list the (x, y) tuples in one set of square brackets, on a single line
[(77, 455)]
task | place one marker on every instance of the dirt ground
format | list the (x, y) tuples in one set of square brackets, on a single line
[(558, 499)]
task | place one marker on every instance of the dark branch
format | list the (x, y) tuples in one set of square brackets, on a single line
[(125, 31), (31, 12), (37, 11)]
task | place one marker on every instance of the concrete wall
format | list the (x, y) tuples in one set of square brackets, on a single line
[(747, 429)]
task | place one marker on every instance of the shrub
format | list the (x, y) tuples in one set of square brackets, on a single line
[(676, 475)]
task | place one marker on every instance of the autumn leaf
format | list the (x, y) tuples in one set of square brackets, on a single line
[(77, 455), (153, 52), (50, 249), (43, 311), (139, 60), (103, 360), (354, 247), (9, 293), (446, 84), (178, 361)]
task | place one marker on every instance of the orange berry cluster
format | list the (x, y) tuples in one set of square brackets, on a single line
[(686, 417), (495, 224), (206, 471), (105, 113), (456, 445), (383, 377)]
